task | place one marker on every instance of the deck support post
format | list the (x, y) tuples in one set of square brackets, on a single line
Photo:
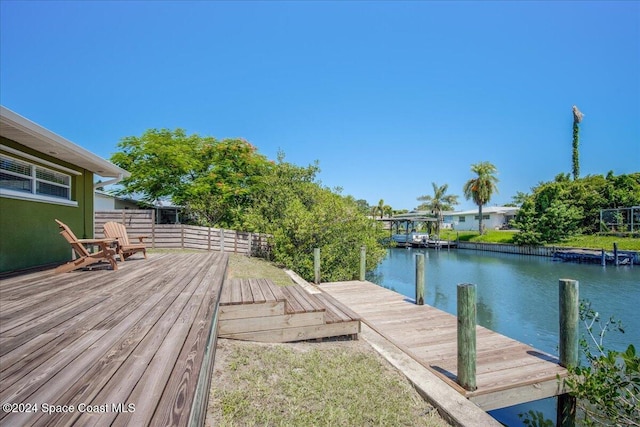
[(363, 262), (615, 254), (420, 279), (467, 336), (569, 317), (316, 266)]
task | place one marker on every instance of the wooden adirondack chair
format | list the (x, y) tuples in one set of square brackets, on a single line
[(115, 230), (85, 258)]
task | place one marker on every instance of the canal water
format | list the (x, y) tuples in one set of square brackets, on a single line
[(517, 296)]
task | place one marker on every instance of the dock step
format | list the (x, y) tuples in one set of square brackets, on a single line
[(259, 310)]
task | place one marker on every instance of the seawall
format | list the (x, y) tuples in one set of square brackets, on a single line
[(546, 251)]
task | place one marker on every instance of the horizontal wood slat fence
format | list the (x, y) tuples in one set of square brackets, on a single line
[(181, 236)]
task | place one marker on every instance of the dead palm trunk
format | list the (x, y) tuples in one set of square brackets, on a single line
[(577, 118)]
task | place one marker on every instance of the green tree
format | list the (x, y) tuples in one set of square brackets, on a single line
[(302, 215), (213, 179), (379, 208), (482, 187), (561, 208), (162, 162), (223, 190), (364, 206), (440, 201)]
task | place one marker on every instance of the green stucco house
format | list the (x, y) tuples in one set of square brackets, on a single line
[(44, 177)]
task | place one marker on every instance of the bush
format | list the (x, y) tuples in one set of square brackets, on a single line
[(608, 388), (560, 209), (302, 215)]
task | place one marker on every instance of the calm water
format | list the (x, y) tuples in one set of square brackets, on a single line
[(518, 297)]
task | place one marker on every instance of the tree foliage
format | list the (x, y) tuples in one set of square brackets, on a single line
[(606, 383), (229, 184), (212, 179), (559, 209), (440, 201), (481, 188), (302, 215), (608, 387)]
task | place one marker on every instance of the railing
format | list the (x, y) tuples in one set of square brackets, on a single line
[(180, 236)]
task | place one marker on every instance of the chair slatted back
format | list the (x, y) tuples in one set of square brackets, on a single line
[(115, 230), (68, 235)]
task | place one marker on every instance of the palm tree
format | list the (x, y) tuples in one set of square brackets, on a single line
[(482, 187), (382, 208), (440, 201)]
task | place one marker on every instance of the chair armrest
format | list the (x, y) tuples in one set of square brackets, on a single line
[(96, 241)]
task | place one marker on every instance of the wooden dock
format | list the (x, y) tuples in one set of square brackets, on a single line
[(259, 310), (126, 347), (592, 256), (508, 372)]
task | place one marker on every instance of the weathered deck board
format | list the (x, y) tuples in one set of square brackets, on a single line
[(508, 372), (137, 336)]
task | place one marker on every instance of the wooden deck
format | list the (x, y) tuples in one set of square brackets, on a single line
[(126, 347), (259, 310), (508, 372)]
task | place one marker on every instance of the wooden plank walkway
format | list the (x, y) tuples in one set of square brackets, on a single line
[(126, 347), (508, 372), (259, 310)]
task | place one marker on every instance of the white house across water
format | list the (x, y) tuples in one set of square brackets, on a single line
[(493, 218)]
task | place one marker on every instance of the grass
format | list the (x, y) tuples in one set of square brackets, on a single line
[(490, 236), (603, 242), (582, 241), (244, 267), (281, 385)]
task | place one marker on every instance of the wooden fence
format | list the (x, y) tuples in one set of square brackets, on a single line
[(180, 236)]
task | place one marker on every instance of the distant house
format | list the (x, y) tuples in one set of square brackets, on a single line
[(165, 211), (493, 217), (43, 177), (103, 201)]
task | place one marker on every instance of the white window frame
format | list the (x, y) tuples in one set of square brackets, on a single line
[(33, 195)]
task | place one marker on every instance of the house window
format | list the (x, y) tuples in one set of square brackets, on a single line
[(484, 216), (20, 177), (461, 219)]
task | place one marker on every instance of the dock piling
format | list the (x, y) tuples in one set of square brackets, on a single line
[(569, 317), (420, 279), (316, 265), (467, 336), (363, 262)]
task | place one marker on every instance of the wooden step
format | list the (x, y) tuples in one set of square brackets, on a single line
[(259, 310)]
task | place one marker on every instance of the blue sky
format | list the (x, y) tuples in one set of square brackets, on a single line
[(387, 96)]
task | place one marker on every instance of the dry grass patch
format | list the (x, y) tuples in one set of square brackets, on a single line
[(244, 267), (330, 383)]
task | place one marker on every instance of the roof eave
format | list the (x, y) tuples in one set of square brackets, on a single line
[(23, 131)]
